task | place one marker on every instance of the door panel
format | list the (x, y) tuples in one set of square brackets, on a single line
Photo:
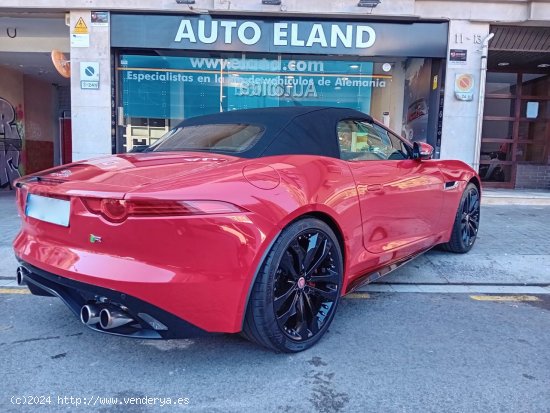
[(400, 198), (400, 202)]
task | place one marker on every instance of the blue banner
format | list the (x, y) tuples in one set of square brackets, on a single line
[(180, 87)]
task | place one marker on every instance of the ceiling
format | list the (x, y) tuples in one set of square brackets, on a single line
[(519, 61), (522, 48), (520, 38), (37, 65), (50, 26), (33, 29)]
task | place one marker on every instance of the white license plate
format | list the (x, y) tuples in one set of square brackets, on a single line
[(53, 210)]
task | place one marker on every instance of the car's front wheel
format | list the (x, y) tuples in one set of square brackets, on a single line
[(466, 224), (297, 289)]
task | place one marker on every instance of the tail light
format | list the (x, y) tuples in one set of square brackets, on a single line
[(20, 198), (117, 210)]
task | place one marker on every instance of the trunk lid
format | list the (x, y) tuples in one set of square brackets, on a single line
[(114, 176)]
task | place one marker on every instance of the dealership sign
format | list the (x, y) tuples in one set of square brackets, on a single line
[(279, 36), (284, 34)]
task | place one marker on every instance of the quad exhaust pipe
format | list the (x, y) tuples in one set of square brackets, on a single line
[(89, 314), (109, 319)]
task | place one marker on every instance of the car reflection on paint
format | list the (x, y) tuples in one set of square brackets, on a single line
[(417, 121)]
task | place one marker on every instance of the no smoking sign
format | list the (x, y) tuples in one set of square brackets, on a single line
[(89, 75)]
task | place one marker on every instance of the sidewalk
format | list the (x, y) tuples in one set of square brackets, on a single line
[(512, 249), (512, 252), (515, 197)]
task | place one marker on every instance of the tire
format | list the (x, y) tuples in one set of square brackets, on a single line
[(466, 223), (297, 289)]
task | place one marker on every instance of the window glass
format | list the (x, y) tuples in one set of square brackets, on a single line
[(535, 132), (499, 107), (214, 137), (497, 129), (172, 86), (400, 150), (530, 152), (501, 83), (496, 151), (362, 141), (493, 171), (535, 85)]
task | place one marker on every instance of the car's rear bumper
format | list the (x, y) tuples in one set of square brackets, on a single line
[(198, 269), (75, 294)]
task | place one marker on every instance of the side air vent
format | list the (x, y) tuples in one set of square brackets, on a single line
[(450, 185)]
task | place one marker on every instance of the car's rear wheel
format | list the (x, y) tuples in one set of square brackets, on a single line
[(466, 224), (297, 289)]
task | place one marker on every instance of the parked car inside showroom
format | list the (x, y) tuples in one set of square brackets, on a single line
[(253, 221)]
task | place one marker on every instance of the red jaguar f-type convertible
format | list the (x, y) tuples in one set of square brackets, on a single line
[(254, 221)]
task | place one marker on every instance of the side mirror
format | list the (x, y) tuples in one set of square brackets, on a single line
[(422, 151)]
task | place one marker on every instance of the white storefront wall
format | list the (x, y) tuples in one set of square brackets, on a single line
[(460, 117), (91, 108)]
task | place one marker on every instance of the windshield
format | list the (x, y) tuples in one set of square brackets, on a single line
[(234, 137)]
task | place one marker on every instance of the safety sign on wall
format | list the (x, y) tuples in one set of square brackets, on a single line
[(89, 75), (80, 35)]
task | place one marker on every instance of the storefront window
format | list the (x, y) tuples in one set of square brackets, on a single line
[(497, 129), (499, 107), (159, 91), (501, 83), (535, 85), (516, 124), (533, 131), (496, 150), (531, 153)]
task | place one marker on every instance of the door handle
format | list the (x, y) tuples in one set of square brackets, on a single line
[(374, 188)]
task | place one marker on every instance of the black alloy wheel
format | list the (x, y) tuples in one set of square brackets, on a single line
[(466, 224), (469, 223), (306, 285), (298, 288)]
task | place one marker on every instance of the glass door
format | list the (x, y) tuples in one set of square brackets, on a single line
[(516, 125)]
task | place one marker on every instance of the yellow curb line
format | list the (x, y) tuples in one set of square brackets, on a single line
[(14, 291), (358, 295), (504, 298)]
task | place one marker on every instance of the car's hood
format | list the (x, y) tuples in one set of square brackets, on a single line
[(118, 174)]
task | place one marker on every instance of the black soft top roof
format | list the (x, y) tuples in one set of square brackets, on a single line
[(297, 130)]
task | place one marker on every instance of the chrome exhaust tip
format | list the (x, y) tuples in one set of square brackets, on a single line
[(109, 319), (21, 275), (89, 314)]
